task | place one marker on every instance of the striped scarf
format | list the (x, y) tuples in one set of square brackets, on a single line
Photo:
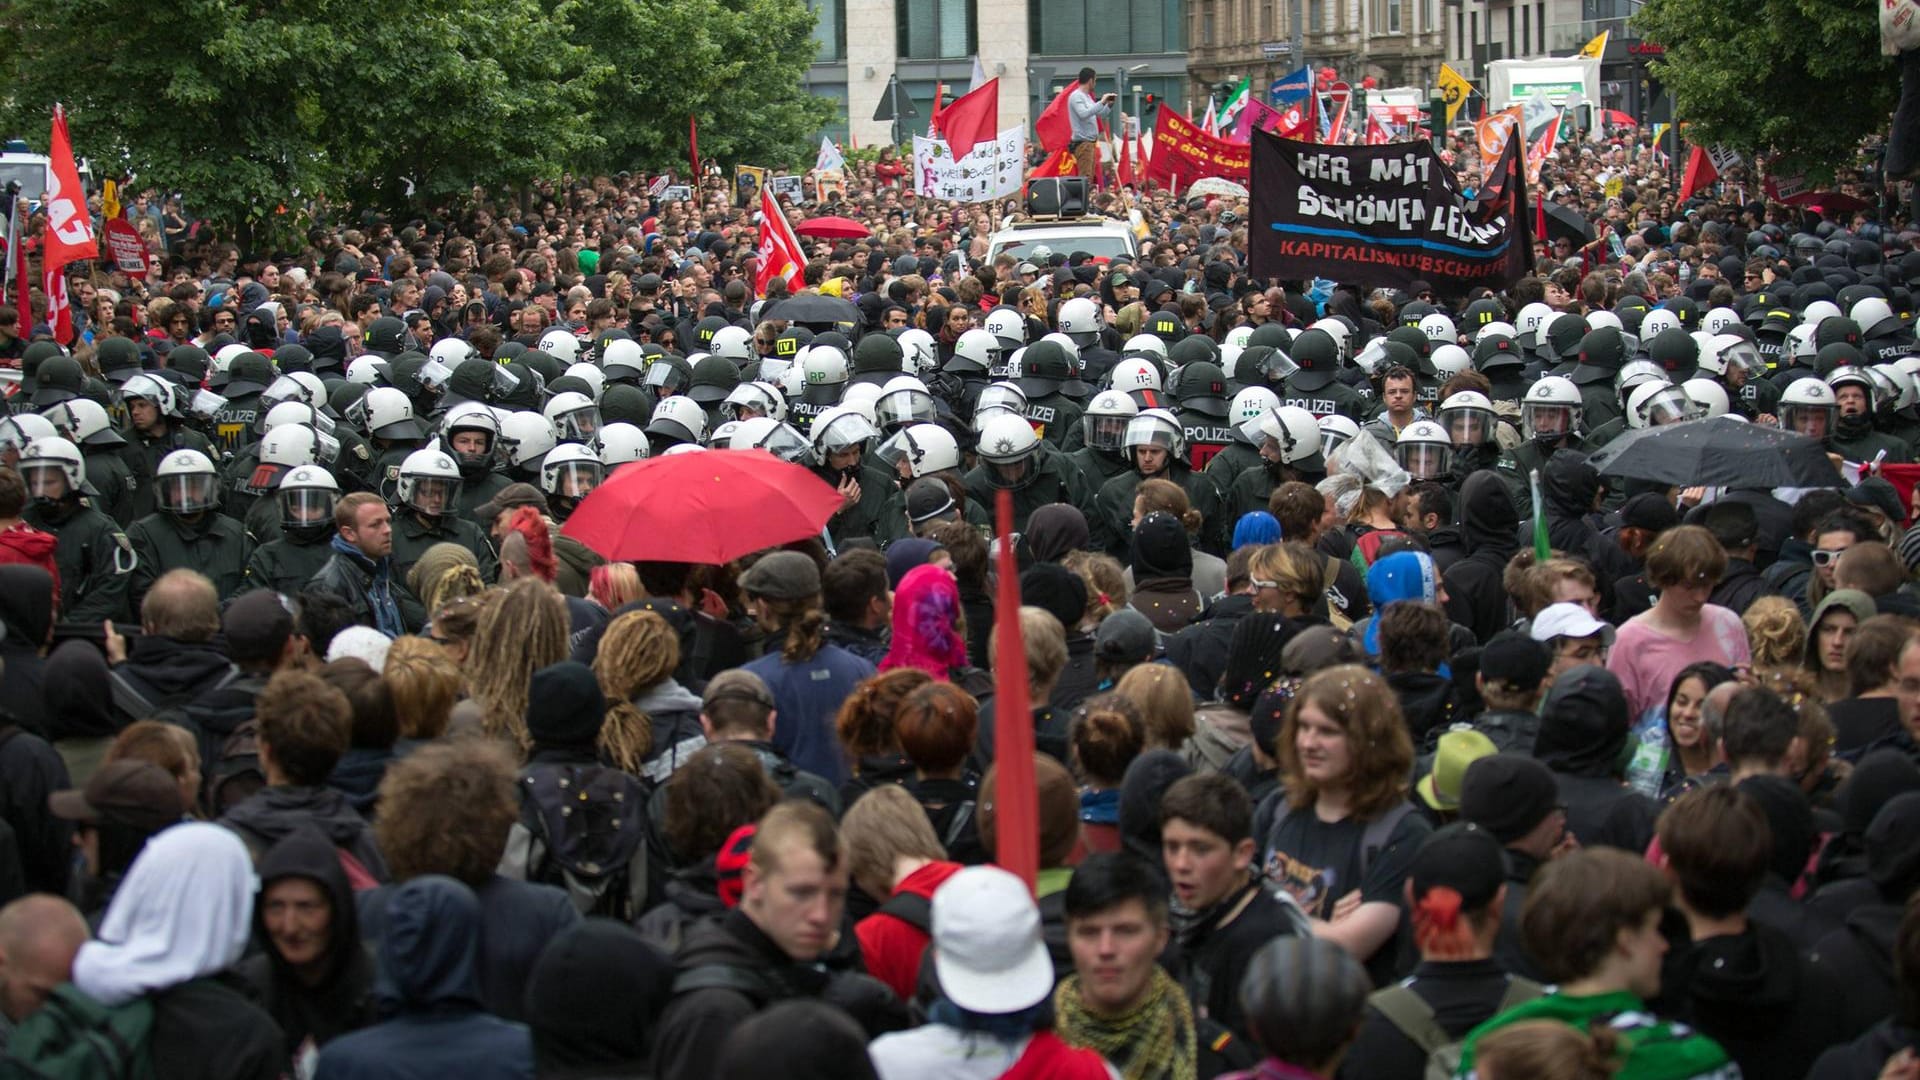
[(1152, 1041)]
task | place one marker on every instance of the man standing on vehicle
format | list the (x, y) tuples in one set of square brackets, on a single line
[(1086, 114)]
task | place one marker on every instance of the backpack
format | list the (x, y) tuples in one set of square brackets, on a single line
[(589, 823), (74, 1037), (235, 775), (1329, 580), (1413, 1017), (135, 704)]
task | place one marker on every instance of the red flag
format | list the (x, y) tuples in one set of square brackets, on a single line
[(973, 118), (69, 235), (1054, 129), (933, 122), (1295, 123), (693, 146), (1126, 161), (1338, 132), (780, 253), (1016, 815), (1058, 163), (1700, 172), (1376, 132), (59, 312)]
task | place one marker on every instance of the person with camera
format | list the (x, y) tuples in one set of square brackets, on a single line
[(1084, 135)]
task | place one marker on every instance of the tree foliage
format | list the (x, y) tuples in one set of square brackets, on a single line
[(737, 65), (1800, 80), (249, 106)]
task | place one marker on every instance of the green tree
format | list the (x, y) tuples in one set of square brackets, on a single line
[(1802, 81), (249, 106), (737, 65)]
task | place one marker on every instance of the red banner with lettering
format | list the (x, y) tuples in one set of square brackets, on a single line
[(1182, 153), (128, 249)]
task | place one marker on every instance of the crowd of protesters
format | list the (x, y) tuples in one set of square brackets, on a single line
[(330, 752)]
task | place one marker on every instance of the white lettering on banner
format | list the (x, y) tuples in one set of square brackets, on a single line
[(1406, 213), (63, 216), (990, 171), (1332, 168), (1409, 170)]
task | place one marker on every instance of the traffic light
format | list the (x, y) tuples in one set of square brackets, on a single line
[(1437, 119), (1147, 102)]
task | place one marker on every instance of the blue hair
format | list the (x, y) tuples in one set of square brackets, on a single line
[(1255, 527), (1006, 1027)]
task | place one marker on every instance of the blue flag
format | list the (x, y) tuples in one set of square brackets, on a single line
[(1288, 89)]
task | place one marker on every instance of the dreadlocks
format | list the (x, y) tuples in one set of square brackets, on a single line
[(639, 650), (523, 631)]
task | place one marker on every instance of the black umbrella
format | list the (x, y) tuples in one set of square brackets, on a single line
[(1565, 221), (1720, 451), (816, 312)]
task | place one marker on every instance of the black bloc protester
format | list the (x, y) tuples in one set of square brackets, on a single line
[(1384, 215)]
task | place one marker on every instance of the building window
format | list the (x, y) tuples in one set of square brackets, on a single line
[(1110, 27), (1266, 20), (1206, 27), (1316, 15), (935, 29), (1540, 20), (1526, 27), (829, 29), (1393, 16)]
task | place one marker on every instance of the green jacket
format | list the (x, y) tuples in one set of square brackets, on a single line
[(1098, 466), (143, 453), (285, 565), (863, 517), (109, 474), (1112, 521), (1232, 460), (1053, 481), (1651, 1048), (96, 562), (215, 545), (413, 535), (1056, 418), (474, 493)]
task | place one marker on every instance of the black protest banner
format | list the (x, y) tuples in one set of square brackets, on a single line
[(1384, 217)]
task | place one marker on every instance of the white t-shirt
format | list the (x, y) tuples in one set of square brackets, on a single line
[(939, 1052)]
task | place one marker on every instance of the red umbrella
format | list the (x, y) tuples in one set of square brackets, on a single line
[(1616, 118), (1827, 202), (833, 228), (709, 507)]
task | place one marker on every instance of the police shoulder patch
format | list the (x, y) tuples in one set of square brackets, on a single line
[(393, 472), (360, 451)]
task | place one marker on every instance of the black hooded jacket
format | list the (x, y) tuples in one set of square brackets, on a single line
[(1584, 726), (1753, 993), (593, 1000), (1476, 598), (165, 673), (1568, 487), (274, 813), (26, 610), (342, 999), (429, 985), (1860, 953)]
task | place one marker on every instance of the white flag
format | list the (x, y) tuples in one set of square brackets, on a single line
[(830, 159), (979, 75)]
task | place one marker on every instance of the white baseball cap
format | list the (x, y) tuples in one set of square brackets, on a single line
[(987, 950), (1568, 619)]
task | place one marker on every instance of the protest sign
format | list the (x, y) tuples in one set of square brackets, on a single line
[(1386, 215), (790, 186), (1182, 153), (992, 171)]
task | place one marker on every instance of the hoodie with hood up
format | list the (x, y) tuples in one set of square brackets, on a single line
[(1476, 598), (427, 961), (342, 999), (1860, 953), (26, 614), (1569, 486), (1584, 726)]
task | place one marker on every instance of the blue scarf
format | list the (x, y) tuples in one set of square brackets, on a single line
[(386, 613)]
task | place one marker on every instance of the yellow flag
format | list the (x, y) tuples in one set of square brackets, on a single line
[(110, 200), (1596, 47), (1454, 87)]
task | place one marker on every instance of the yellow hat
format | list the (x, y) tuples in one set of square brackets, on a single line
[(1461, 746)]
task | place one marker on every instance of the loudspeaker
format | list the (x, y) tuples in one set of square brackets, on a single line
[(1057, 196)]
